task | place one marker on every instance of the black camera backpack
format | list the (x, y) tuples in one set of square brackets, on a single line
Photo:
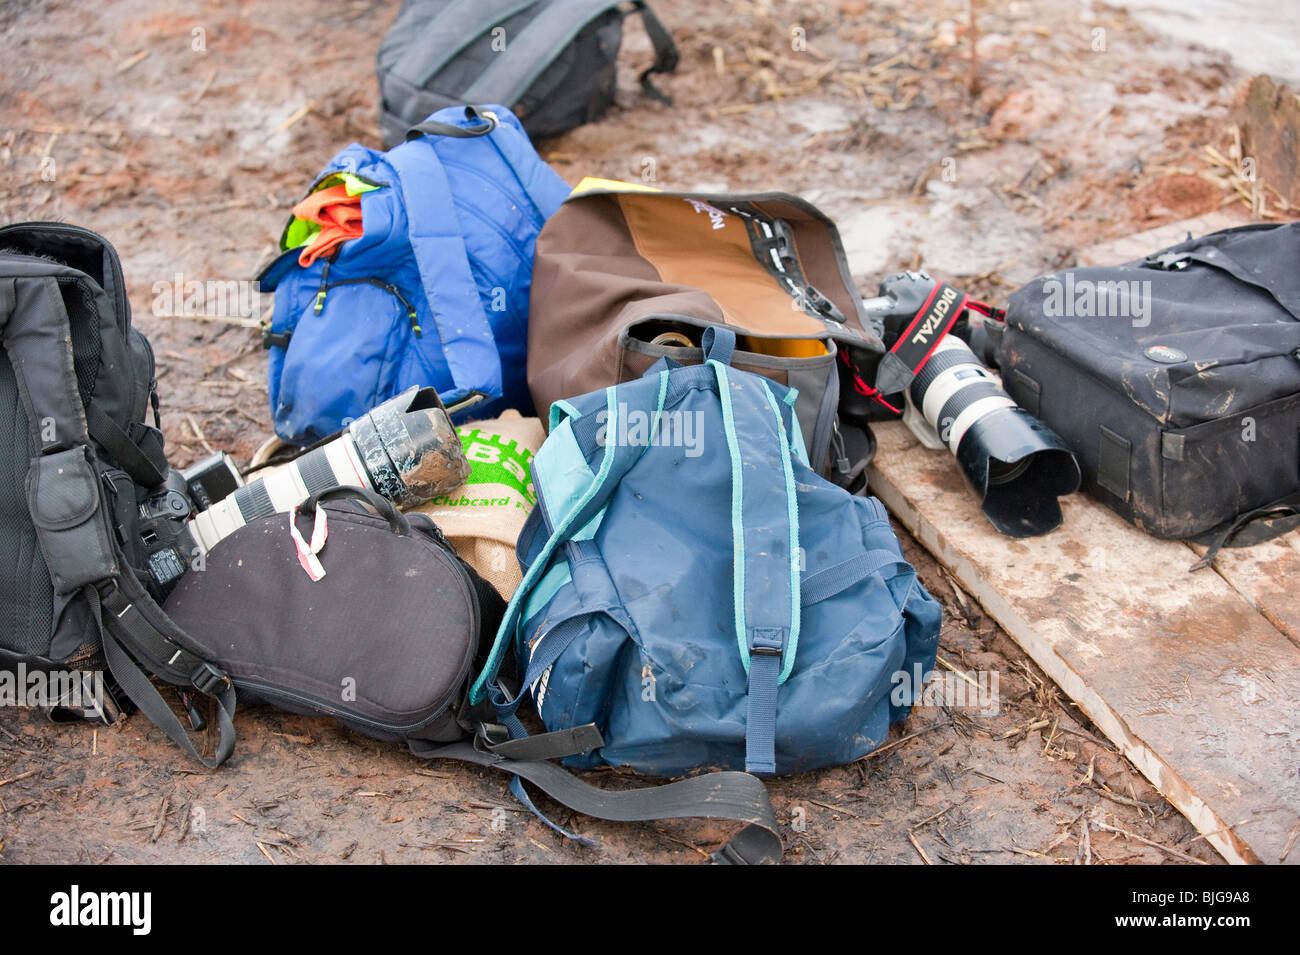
[(78, 460), (1175, 379), (552, 62)]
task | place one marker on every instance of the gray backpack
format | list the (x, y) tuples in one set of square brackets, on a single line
[(552, 62)]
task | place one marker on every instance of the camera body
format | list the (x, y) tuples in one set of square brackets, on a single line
[(167, 546), (910, 304)]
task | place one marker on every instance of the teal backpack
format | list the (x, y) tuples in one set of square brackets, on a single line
[(698, 593)]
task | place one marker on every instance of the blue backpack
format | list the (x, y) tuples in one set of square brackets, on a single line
[(435, 290), (698, 593)]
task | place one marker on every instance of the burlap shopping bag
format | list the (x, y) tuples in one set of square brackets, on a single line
[(483, 519)]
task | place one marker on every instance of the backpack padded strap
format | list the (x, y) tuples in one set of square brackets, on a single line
[(765, 542), (464, 332), (37, 337), (616, 460)]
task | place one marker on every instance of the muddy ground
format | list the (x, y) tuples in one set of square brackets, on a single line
[(184, 131)]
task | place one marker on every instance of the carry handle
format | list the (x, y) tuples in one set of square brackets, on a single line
[(719, 344), (382, 505), (433, 128)]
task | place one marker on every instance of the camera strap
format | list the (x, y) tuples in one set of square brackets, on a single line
[(920, 338)]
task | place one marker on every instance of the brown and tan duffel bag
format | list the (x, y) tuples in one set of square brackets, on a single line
[(626, 275)]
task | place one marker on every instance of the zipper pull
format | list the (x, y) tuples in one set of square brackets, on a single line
[(322, 289), (411, 316)]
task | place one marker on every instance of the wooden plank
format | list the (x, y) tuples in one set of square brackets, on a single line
[(1268, 577), (1195, 687)]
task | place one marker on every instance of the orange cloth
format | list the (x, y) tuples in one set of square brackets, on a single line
[(339, 216)]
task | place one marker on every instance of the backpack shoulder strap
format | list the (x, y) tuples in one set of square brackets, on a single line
[(71, 518), (765, 542), (527, 56), (455, 308)]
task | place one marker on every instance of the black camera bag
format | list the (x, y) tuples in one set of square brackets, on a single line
[(551, 62), (78, 462), (1184, 411), (384, 641)]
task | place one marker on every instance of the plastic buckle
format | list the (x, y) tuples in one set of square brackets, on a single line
[(207, 678), (272, 339), (492, 733)]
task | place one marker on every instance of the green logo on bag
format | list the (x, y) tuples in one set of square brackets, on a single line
[(494, 460)]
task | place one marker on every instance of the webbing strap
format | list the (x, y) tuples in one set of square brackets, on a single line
[(125, 452), (920, 338), (721, 795), (554, 644), (829, 581), (1251, 527), (136, 685)]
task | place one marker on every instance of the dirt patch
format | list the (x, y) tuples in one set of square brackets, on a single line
[(1175, 197)]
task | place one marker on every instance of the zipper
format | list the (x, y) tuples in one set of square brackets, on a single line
[(276, 693), (325, 285), (772, 241)]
